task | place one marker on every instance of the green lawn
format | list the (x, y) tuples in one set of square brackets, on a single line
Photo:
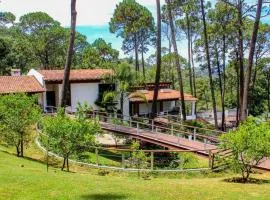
[(27, 179)]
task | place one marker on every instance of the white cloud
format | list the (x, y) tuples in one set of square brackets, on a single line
[(90, 12)]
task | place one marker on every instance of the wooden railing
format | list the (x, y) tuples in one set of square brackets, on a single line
[(119, 122)]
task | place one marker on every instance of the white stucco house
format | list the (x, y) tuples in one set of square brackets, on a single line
[(168, 101), (88, 85), (85, 86)]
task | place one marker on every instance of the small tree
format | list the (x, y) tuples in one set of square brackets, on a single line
[(250, 144), (138, 158), (18, 112), (69, 136)]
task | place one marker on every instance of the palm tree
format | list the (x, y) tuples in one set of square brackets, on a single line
[(124, 77), (154, 104), (65, 87)]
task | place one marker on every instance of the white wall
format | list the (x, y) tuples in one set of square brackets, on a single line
[(58, 94), (145, 108), (125, 106), (37, 75), (168, 105), (84, 92)]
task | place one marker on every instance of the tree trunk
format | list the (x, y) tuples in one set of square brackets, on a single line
[(220, 88), (193, 74), (21, 140), (154, 104), (240, 54), (252, 88), (244, 111), (237, 89), (136, 53), (189, 54), (65, 87), (268, 91), (209, 65), (67, 164), (193, 70), (224, 82), (64, 163), (143, 64), (171, 63), (18, 149), (177, 63)]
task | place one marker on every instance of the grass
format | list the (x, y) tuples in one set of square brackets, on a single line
[(22, 178)]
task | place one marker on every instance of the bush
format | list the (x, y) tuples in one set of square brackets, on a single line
[(250, 144)]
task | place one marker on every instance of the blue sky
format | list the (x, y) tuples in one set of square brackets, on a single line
[(93, 16)]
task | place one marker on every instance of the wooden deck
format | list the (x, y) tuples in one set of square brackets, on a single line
[(165, 140)]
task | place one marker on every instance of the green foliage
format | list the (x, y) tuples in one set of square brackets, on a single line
[(129, 17), (184, 161), (109, 101), (6, 18), (139, 95), (249, 144), (83, 110), (138, 158), (135, 24), (18, 112), (67, 136), (100, 55)]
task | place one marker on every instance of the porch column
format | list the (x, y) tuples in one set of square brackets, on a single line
[(44, 101), (193, 108)]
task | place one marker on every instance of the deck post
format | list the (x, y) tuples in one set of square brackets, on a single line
[(210, 159), (205, 142), (137, 128), (172, 129), (152, 160), (152, 125), (123, 160), (114, 122), (194, 134), (178, 140), (96, 151)]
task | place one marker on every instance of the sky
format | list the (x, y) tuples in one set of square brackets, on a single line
[(92, 19)]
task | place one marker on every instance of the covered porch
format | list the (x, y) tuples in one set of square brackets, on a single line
[(169, 103)]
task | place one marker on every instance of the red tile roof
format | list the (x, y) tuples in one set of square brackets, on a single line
[(164, 94), (17, 84), (75, 75)]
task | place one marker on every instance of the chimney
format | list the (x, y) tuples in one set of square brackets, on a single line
[(15, 72)]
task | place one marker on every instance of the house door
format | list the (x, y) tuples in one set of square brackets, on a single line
[(50, 96)]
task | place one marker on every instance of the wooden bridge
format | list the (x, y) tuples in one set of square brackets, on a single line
[(167, 137), (202, 144), (162, 139)]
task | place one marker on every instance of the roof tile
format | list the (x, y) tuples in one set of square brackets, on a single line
[(165, 94), (75, 75), (15, 84)]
